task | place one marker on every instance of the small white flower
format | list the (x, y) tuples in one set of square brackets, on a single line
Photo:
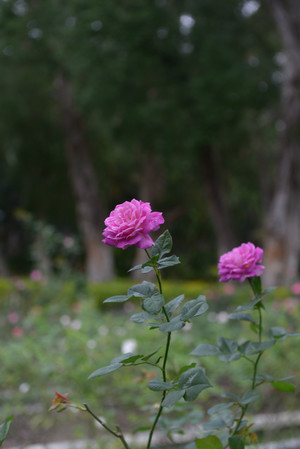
[(222, 317), (24, 387), (129, 345), (65, 320), (76, 325)]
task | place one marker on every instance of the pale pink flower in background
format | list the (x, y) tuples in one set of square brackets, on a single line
[(17, 331), (295, 288), (36, 275), (20, 284), (13, 317), (228, 289), (241, 263), (130, 223)]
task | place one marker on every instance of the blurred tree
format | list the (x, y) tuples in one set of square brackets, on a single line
[(166, 95), (282, 227)]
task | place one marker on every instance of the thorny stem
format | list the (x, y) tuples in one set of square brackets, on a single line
[(164, 361), (255, 363), (117, 434)]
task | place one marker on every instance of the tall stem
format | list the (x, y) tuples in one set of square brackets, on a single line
[(253, 383), (164, 374)]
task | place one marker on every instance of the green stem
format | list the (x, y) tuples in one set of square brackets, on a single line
[(164, 374), (253, 383), (117, 434)]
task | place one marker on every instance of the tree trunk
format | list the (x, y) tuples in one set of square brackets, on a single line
[(215, 193), (282, 223), (89, 205)]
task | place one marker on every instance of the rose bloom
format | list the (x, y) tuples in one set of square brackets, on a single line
[(241, 263), (130, 223)]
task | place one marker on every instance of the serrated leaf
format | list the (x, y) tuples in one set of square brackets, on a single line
[(117, 298), (268, 290), (241, 316), (236, 442), (250, 396), (122, 357), (218, 408), (154, 304), (146, 269), (278, 333), (173, 325), (227, 345), (141, 317), (132, 359), (4, 428), (168, 262), (216, 423), (192, 377), (159, 385), (191, 393), (172, 397), (163, 245), (209, 442), (255, 347), (206, 350), (148, 356), (105, 370), (174, 304), (192, 308), (143, 290), (284, 386)]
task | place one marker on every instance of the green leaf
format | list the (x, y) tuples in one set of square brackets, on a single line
[(218, 408), (132, 359), (163, 245), (105, 370), (159, 385), (4, 428), (192, 392), (268, 290), (148, 356), (168, 262), (174, 304), (205, 350), (209, 442), (241, 316), (122, 357), (228, 349), (143, 290), (141, 317), (254, 347), (172, 397), (250, 396), (154, 304), (284, 386), (215, 423), (193, 377), (192, 308), (173, 325), (278, 333), (118, 298), (236, 442)]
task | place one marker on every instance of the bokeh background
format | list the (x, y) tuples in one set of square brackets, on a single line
[(191, 105)]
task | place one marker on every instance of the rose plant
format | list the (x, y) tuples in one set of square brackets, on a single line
[(130, 224)]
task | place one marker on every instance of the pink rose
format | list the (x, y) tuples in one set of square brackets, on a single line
[(130, 223), (241, 263)]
